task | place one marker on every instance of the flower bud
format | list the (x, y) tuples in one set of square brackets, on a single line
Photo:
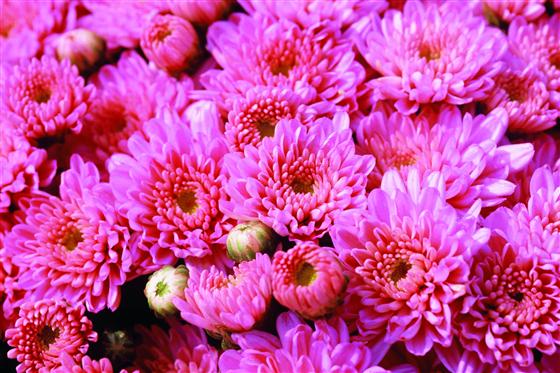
[(200, 13), (247, 239), (171, 43), (164, 285), (82, 47)]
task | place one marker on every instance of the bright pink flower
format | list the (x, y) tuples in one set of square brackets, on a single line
[(432, 53), (183, 349), (49, 96), (539, 44), (200, 13), (299, 348), (73, 247), (171, 185), (507, 10), (220, 303), (86, 365), (409, 256), (465, 149), (171, 43), (309, 12), (120, 22), (259, 51), (298, 181), (128, 94), (308, 279), (23, 168), (44, 331)]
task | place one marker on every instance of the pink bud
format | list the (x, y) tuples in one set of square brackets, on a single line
[(82, 47), (200, 13), (171, 43)]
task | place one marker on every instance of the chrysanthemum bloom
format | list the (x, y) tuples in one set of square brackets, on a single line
[(539, 44), (49, 96), (308, 279), (507, 10), (200, 13), (409, 255), (524, 96), (259, 51), (73, 247), (512, 307), (245, 240), (220, 303), (309, 12), (82, 47), (298, 181), (120, 22), (128, 94), (164, 285), (171, 43), (300, 348), (432, 53), (464, 149), (45, 330), (255, 114), (183, 349), (171, 186), (23, 168), (87, 365)]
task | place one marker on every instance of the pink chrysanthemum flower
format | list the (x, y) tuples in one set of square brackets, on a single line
[(171, 186), (309, 12), (300, 180), (507, 10), (171, 43), (200, 13), (183, 349), (128, 94), (408, 254), (49, 96), (259, 51), (464, 149), (524, 96), (539, 44), (45, 330), (255, 114), (432, 53), (120, 22), (220, 303), (299, 348), (308, 279), (23, 168), (512, 307), (73, 247), (87, 365)]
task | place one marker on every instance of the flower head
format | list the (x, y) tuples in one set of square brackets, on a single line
[(408, 255), (259, 51), (47, 329), (298, 181), (170, 188), (85, 365), (220, 303), (432, 53), (308, 279), (171, 43), (183, 349), (73, 247), (299, 348), (49, 96), (164, 285), (465, 149), (82, 47)]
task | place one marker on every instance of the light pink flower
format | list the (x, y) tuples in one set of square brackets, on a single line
[(49, 96), (298, 181), (220, 303), (44, 331), (308, 279), (408, 257), (431, 53), (464, 149)]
